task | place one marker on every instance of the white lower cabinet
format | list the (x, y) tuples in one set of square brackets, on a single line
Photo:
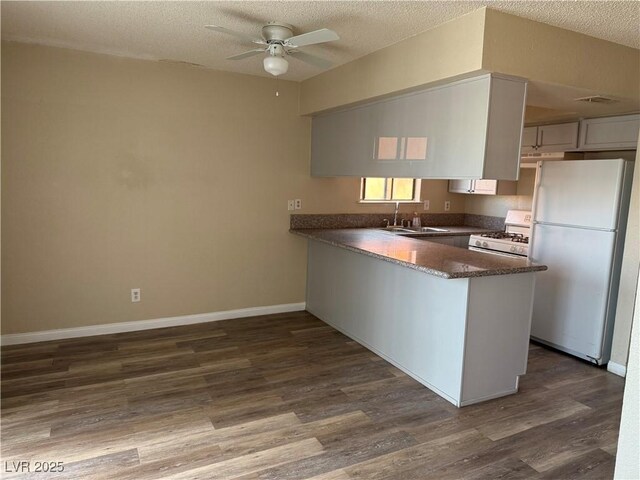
[(460, 241), (443, 240), (483, 187), (466, 339)]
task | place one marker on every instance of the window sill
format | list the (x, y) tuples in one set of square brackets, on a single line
[(390, 201)]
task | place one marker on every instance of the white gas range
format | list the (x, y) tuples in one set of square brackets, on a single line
[(513, 242)]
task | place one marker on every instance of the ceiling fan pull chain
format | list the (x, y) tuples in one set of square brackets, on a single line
[(277, 92)]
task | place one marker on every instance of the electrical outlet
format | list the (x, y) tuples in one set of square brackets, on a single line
[(298, 204), (291, 205), (447, 205), (135, 295), (426, 204)]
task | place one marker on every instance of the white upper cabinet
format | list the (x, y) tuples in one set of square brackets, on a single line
[(467, 129), (560, 137), (604, 133), (460, 186), (494, 187), (610, 133), (483, 187), (529, 139)]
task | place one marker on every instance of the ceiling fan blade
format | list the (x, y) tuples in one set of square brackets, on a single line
[(248, 54), (311, 38), (240, 35), (310, 59)]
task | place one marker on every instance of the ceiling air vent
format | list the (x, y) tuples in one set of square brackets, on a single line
[(595, 99)]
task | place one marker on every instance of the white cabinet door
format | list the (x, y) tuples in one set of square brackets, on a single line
[(529, 139), (610, 133), (443, 240), (484, 187), (558, 138), (342, 143), (460, 186), (389, 130), (461, 241), (550, 138)]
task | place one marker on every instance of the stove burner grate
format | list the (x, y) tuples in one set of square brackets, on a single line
[(514, 237)]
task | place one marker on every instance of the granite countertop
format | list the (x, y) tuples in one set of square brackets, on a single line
[(429, 257)]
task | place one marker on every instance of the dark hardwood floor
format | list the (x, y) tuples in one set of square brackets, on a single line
[(287, 397)]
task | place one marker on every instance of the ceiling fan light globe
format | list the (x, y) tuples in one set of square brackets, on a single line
[(276, 65)]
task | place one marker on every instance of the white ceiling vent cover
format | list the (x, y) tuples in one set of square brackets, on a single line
[(595, 99)]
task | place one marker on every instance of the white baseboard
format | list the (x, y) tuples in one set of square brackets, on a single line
[(88, 331), (616, 368)]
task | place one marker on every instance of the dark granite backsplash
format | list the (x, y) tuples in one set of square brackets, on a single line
[(484, 221), (373, 220)]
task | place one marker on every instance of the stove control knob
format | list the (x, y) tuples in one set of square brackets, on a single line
[(478, 243), (521, 250), (513, 249), (485, 244)]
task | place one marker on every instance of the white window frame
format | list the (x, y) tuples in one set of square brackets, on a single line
[(417, 184)]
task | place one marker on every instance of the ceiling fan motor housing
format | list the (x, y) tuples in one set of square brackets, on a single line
[(276, 50), (277, 32)]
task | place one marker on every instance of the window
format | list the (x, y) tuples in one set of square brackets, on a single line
[(390, 190)]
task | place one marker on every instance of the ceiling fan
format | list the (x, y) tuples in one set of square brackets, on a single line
[(277, 40)]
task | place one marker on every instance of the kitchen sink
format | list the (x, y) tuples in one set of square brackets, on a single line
[(415, 231), (399, 229)]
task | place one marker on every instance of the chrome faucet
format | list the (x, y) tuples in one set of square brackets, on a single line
[(395, 215)]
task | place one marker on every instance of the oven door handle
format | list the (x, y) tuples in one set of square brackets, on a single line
[(495, 252)]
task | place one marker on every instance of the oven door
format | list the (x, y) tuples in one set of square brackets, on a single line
[(496, 252)]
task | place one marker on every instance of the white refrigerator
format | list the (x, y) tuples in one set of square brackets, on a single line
[(579, 217)]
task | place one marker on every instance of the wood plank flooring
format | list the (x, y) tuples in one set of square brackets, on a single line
[(287, 397)]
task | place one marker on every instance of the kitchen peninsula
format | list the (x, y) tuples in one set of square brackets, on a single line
[(457, 321)]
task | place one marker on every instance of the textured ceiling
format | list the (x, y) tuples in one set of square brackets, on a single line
[(175, 30)]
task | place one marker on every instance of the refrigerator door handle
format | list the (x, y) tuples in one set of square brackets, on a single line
[(565, 225), (534, 204)]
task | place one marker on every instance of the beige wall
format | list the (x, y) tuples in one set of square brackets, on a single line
[(628, 276), (541, 52), (448, 50), (341, 194), (627, 460), (121, 173), (557, 62), (437, 191)]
